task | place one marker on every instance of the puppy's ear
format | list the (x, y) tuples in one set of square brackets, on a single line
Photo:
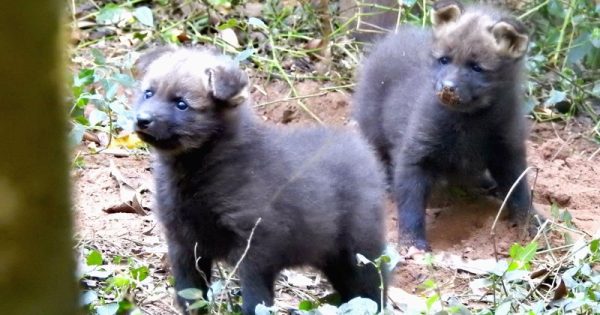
[(511, 37), (445, 11), (228, 86), (141, 65)]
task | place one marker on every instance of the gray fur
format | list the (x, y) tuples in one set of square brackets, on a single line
[(319, 191), (424, 141)]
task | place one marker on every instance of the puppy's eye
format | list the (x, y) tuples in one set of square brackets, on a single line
[(148, 94), (476, 67), (181, 104), (444, 60)]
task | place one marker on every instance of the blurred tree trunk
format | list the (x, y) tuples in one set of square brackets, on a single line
[(37, 274)]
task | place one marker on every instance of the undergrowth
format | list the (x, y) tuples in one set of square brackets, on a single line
[(295, 41)]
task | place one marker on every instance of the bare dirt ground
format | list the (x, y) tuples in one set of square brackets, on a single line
[(569, 175)]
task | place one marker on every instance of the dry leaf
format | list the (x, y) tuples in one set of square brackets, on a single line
[(130, 198), (129, 141), (561, 291), (228, 35)]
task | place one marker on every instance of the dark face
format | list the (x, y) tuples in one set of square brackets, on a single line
[(461, 84), (476, 55), (167, 121), (177, 110)]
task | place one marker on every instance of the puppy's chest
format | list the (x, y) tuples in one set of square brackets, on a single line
[(459, 148), (193, 211)]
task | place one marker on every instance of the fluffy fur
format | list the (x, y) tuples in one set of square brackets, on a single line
[(445, 104), (318, 191)]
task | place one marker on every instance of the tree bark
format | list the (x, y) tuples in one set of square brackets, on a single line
[(37, 274)]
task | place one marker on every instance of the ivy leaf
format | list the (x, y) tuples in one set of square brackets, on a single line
[(243, 55), (76, 134), (107, 309), (99, 58), (191, 294), (555, 97), (144, 15), (257, 23), (110, 14), (140, 273), (96, 117), (197, 305), (94, 258), (595, 37)]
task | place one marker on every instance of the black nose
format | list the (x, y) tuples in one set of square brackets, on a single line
[(143, 120), (448, 85)]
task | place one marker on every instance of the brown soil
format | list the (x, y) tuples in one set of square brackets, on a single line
[(562, 153)]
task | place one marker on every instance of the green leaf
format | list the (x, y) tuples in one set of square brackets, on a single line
[(503, 309), (554, 211), (144, 15), (244, 54), (362, 260), (197, 305), (88, 297), (306, 305), (555, 97), (107, 309), (97, 116), (581, 47), (231, 23), (191, 294), (140, 273), (358, 305), (595, 37), (76, 134), (111, 88), (120, 282), (94, 258), (99, 58), (594, 245), (84, 77), (566, 217), (394, 258), (409, 3), (262, 309), (528, 252), (257, 23), (124, 79), (110, 14), (431, 300)]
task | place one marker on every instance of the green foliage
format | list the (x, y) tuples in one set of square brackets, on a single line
[(109, 287)]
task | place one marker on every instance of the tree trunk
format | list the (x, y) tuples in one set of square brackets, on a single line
[(37, 274)]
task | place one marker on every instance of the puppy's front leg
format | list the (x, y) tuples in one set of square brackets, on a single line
[(413, 185), (257, 285), (183, 267)]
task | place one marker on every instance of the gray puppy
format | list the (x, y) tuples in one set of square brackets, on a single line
[(319, 192), (445, 104)]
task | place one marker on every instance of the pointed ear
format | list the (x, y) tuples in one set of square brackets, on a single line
[(511, 38), (228, 86), (141, 65), (445, 11)]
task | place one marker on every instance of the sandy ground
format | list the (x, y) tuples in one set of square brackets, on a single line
[(567, 176)]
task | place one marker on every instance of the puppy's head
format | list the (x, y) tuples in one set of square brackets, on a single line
[(477, 52), (186, 96)]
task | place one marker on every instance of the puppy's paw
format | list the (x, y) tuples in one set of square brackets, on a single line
[(228, 85), (531, 221)]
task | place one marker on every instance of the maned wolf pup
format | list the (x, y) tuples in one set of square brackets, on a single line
[(445, 104), (318, 192)]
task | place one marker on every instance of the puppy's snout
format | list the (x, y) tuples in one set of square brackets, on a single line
[(449, 86), (144, 120)]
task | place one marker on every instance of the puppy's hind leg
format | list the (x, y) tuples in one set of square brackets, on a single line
[(257, 285), (351, 280)]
